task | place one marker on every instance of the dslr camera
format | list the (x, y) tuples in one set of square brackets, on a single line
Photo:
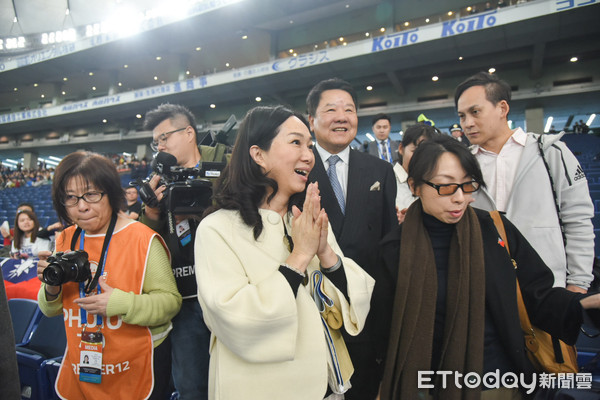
[(67, 267)]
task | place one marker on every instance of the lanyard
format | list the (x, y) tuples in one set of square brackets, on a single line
[(83, 289)]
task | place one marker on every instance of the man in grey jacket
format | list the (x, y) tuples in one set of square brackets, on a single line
[(534, 179)]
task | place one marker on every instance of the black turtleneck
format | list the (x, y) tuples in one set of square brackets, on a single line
[(440, 235)]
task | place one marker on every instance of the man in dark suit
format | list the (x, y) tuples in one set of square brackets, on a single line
[(358, 193), (383, 147)]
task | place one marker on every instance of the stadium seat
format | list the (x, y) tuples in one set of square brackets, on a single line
[(25, 315), (48, 341)]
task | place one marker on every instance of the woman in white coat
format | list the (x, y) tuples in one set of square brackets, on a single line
[(254, 251)]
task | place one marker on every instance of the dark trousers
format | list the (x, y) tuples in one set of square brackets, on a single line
[(367, 372), (162, 371)]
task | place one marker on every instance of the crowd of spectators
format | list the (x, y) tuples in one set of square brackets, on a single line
[(22, 177)]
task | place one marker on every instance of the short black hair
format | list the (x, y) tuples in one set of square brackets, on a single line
[(314, 96), (168, 111), (496, 89), (26, 204), (92, 168), (414, 132), (380, 116), (425, 159)]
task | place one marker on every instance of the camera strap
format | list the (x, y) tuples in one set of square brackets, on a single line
[(93, 283)]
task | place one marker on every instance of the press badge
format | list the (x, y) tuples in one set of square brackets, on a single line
[(90, 358), (184, 232)]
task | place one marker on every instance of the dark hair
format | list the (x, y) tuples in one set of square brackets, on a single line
[(414, 132), (168, 111), (92, 168), (425, 159), (314, 96), (380, 116), (243, 185), (26, 204), (496, 89), (19, 234)]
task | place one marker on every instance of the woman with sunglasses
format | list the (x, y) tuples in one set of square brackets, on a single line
[(120, 315), (452, 286)]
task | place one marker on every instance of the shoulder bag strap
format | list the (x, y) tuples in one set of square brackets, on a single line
[(556, 204), (523, 316)]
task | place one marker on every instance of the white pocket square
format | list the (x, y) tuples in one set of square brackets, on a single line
[(376, 187)]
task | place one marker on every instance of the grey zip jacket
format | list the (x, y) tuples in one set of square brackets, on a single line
[(531, 207)]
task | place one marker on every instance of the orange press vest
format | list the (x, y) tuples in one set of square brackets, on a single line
[(127, 356)]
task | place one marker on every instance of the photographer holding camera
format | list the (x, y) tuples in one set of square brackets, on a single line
[(111, 279), (174, 132)]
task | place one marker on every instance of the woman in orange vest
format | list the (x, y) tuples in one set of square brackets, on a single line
[(113, 284)]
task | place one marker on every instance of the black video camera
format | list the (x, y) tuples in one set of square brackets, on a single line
[(188, 190), (67, 267)]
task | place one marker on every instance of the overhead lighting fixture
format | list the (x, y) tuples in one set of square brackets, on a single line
[(43, 95), (291, 51), (460, 58), (258, 98), (65, 79), (120, 84), (198, 48), (347, 5), (435, 78), (16, 89), (367, 34), (187, 72), (125, 66), (35, 85), (138, 116), (212, 106), (341, 38), (427, 20), (469, 8), (492, 70), (406, 23), (158, 58), (345, 44), (104, 121), (369, 88), (370, 137), (63, 92), (93, 87), (450, 13), (91, 74), (295, 54), (156, 78), (548, 124), (574, 59), (382, 29), (55, 158), (590, 120), (291, 21), (244, 37)]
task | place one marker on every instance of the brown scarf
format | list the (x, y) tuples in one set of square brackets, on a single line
[(411, 335)]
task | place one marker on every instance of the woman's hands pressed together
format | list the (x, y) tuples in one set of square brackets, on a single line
[(309, 232)]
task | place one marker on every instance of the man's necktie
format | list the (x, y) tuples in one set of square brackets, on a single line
[(335, 183)]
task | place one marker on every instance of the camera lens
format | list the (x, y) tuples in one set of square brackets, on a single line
[(53, 275)]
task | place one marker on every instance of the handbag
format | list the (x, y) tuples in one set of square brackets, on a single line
[(546, 353), (339, 364)]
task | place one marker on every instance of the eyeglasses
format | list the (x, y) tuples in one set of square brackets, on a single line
[(449, 189), (162, 139), (89, 197)]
